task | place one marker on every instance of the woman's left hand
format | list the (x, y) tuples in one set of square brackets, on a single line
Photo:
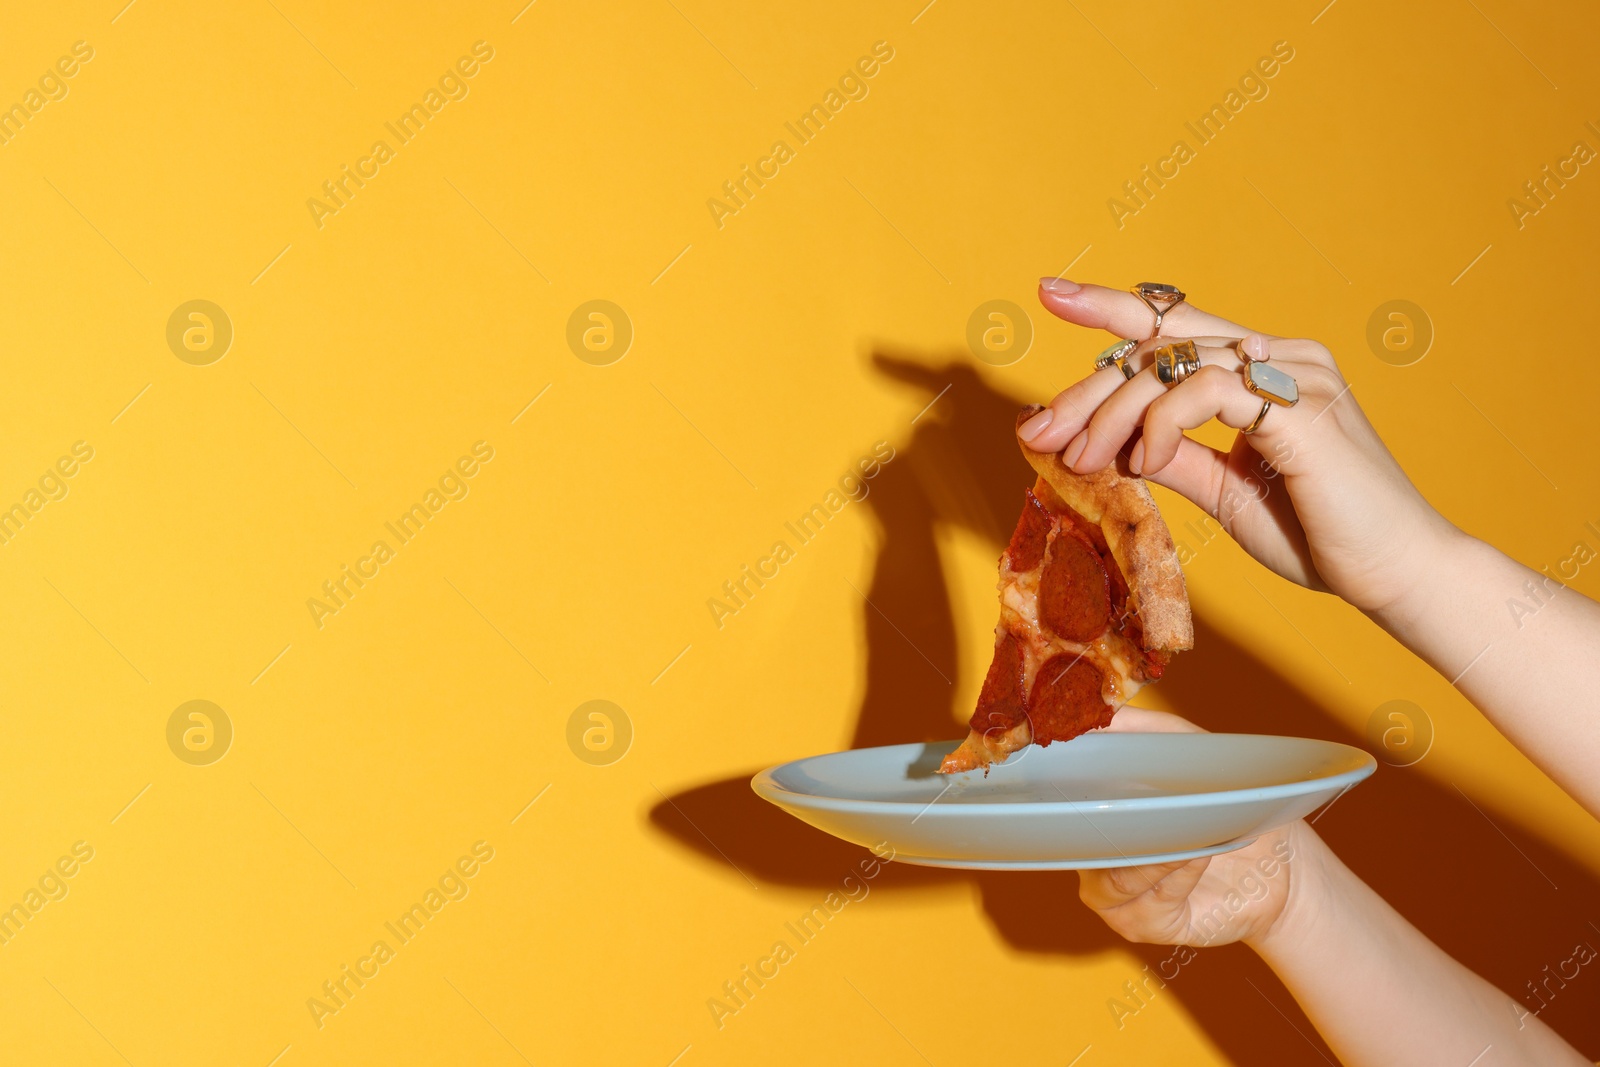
[(1215, 900)]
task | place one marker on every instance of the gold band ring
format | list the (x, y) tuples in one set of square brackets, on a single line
[(1266, 405)]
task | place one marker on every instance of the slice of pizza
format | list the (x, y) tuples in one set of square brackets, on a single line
[(1092, 607)]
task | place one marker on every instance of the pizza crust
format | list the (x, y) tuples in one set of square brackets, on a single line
[(1121, 505)]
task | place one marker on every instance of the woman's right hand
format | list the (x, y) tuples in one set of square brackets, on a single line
[(1313, 494)]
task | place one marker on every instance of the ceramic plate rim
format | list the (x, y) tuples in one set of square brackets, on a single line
[(766, 786), (1078, 864)]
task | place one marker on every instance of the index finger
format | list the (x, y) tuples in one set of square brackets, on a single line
[(1064, 418), (1125, 315)]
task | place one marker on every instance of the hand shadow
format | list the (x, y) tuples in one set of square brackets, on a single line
[(1499, 899)]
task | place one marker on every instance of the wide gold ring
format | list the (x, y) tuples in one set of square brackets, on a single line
[(1176, 361)]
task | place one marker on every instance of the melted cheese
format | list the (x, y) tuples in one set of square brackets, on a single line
[(1112, 652)]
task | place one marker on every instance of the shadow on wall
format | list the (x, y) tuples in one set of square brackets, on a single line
[(1493, 896)]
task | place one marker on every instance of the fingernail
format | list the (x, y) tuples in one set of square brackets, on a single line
[(1035, 426), (1075, 449), (1255, 346), (1136, 458), (1059, 286)]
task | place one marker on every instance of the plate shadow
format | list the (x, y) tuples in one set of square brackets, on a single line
[(1496, 897)]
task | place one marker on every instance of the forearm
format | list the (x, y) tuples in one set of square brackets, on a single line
[(1520, 646), (1380, 992)]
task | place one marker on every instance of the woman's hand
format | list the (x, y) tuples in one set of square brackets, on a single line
[(1235, 896), (1378, 991), (1313, 494), (1216, 900)]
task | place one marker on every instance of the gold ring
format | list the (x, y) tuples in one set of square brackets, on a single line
[(1117, 356), (1176, 361), (1266, 405), (1159, 298)]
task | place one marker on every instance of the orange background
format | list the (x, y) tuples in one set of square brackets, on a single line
[(769, 355)]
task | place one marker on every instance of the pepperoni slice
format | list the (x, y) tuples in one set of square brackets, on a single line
[(1000, 705), (1029, 538), (1091, 530), (1121, 618), (1074, 590), (1066, 699)]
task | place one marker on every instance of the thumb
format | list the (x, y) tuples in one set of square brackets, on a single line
[(1196, 472), (1231, 488)]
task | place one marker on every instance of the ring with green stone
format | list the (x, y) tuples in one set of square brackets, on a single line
[(1117, 356)]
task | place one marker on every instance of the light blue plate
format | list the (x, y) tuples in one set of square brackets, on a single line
[(1100, 800)]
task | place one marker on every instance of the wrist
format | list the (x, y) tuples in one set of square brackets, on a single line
[(1306, 904), (1440, 555)]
